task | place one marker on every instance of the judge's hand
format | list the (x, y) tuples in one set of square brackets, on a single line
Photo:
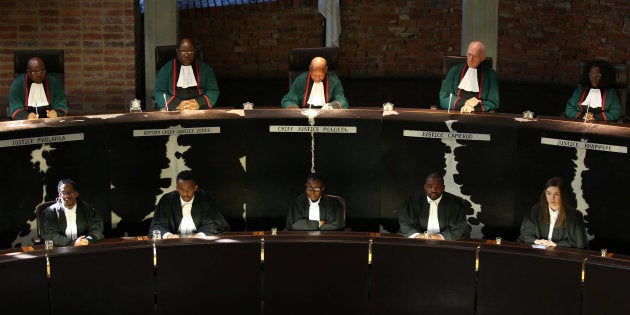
[(473, 101), (332, 105), (198, 235), (51, 113), (467, 108), (188, 105), (291, 106), (322, 222), (32, 116), (429, 236), (81, 241), (171, 235), (589, 116), (544, 242)]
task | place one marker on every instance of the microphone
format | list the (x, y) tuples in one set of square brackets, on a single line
[(165, 103), (450, 97)]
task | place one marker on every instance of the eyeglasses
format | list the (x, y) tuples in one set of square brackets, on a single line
[(38, 72), (186, 53), (313, 189), (66, 193), (592, 76)]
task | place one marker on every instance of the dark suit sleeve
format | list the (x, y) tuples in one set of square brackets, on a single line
[(161, 216), (456, 227), (575, 232), (213, 222), (334, 216), (408, 218), (52, 229), (94, 224), (529, 228), (297, 219)]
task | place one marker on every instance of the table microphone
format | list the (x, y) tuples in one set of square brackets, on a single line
[(450, 97)]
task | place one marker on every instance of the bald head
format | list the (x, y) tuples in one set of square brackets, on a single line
[(36, 70), (318, 69), (476, 54)]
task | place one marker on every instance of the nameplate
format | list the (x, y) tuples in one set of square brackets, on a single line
[(41, 140), (446, 135), (175, 131), (584, 145), (314, 129)]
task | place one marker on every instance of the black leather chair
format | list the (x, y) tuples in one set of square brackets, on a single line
[(39, 209), (620, 84), (164, 54), (300, 59), (449, 61), (343, 206)]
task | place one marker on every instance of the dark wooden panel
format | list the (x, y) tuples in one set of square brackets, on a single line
[(221, 277), (24, 283), (422, 277), (606, 287), (316, 276), (528, 281), (102, 279)]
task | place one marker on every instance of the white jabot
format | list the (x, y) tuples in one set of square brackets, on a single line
[(593, 99), (317, 97), (37, 95), (433, 226), (71, 222), (186, 77), (469, 82), (187, 226), (313, 210), (553, 216)]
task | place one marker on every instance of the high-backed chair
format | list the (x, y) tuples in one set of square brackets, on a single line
[(300, 59), (620, 84), (341, 201), (39, 209), (164, 54), (449, 61)]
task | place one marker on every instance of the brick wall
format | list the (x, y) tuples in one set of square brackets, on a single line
[(539, 40), (379, 38), (98, 42), (542, 40)]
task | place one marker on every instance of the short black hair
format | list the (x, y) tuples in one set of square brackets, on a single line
[(315, 177), (435, 175), (186, 176), (67, 181)]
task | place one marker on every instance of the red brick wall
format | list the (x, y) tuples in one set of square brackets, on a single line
[(379, 38), (541, 40), (98, 42)]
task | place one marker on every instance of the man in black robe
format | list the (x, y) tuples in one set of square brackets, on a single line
[(434, 213), (187, 211), (315, 211)]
